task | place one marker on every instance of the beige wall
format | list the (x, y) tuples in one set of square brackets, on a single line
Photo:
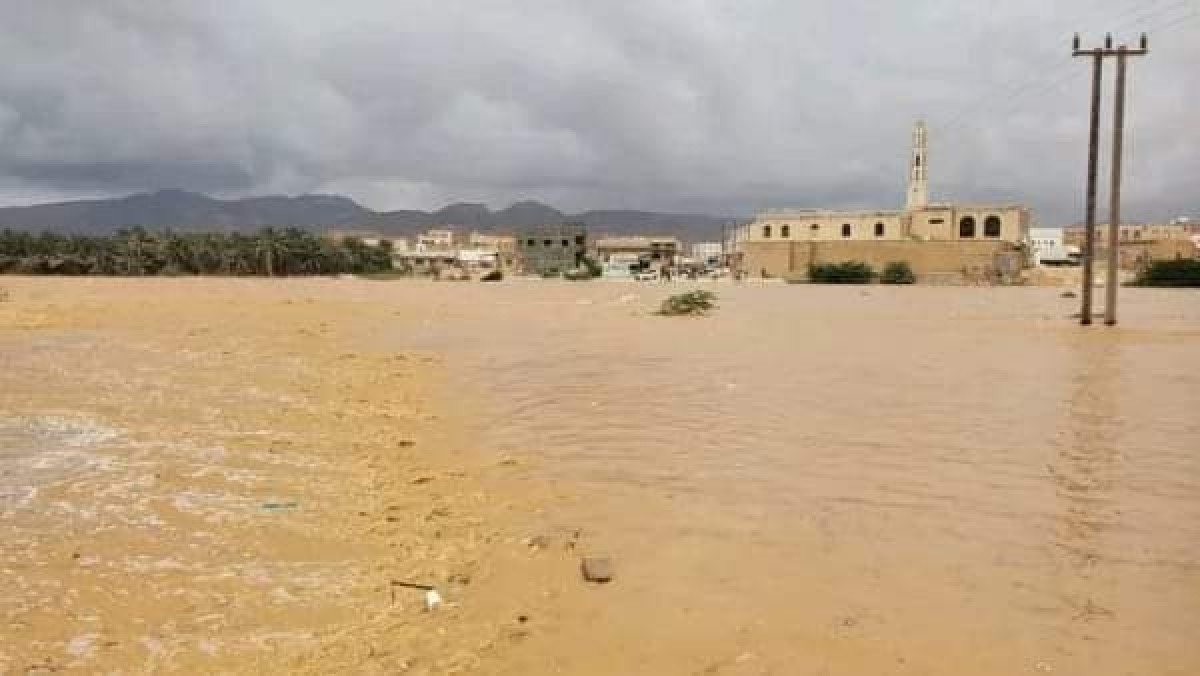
[(1014, 222), (791, 259), (936, 222), (828, 226), (1074, 234)]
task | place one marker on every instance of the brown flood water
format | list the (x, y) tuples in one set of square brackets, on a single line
[(847, 480)]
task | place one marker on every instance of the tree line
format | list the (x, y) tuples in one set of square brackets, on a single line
[(135, 251)]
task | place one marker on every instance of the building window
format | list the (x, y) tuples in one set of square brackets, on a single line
[(766, 232), (815, 227), (578, 240), (966, 227), (566, 242), (1137, 234), (532, 242), (936, 221), (785, 231), (846, 231), (879, 230), (991, 226), (547, 242)]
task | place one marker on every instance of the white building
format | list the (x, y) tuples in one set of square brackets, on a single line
[(436, 240), (708, 253), (1049, 247)]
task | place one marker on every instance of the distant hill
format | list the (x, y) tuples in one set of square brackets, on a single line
[(182, 210)]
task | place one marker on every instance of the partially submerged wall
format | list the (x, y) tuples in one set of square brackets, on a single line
[(930, 260)]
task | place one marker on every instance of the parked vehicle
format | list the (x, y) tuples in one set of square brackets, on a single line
[(1060, 256), (647, 275)]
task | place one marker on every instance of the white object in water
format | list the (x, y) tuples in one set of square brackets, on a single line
[(432, 599)]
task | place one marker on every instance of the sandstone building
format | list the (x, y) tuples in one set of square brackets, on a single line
[(938, 239)]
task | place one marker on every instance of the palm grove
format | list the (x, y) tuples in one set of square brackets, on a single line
[(136, 251)]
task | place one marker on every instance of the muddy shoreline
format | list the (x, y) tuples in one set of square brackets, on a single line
[(263, 484)]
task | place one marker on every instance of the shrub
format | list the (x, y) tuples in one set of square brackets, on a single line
[(848, 272), (593, 268), (689, 303), (550, 273), (897, 272), (1178, 272), (492, 276)]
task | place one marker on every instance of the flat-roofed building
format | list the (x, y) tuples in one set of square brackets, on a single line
[(550, 249), (653, 250), (503, 246), (437, 239)]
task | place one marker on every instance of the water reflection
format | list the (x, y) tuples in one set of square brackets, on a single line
[(1085, 471)]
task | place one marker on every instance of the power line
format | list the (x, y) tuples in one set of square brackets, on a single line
[(1054, 79), (1016, 88)]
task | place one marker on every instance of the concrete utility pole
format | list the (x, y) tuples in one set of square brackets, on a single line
[(1089, 247)]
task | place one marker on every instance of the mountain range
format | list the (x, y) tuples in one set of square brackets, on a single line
[(189, 211)]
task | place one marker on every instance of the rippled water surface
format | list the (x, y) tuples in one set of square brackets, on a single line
[(879, 480), (37, 450)]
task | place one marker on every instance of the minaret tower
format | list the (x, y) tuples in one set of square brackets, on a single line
[(918, 180)]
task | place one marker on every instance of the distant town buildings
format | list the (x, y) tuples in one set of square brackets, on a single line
[(935, 238), (1139, 243)]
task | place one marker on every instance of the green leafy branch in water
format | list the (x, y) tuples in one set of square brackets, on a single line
[(690, 303)]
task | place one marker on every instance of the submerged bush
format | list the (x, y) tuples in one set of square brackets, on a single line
[(848, 272), (593, 268), (897, 272), (690, 303), (1178, 272)]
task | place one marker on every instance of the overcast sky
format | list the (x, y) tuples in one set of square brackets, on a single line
[(722, 106)]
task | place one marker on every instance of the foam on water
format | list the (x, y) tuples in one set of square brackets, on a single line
[(36, 450)]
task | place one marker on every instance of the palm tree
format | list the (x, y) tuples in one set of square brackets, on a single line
[(269, 247)]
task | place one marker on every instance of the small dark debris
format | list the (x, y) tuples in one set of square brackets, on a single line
[(597, 569)]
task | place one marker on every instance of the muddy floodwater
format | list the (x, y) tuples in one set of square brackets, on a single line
[(242, 476), (854, 480)]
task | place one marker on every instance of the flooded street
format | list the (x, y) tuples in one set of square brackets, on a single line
[(812, 480), (852, 480)]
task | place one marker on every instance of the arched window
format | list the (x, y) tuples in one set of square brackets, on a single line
[(846, 230), (966, 227), (879, 230), (766, 232), (991, 226), (785, 231)]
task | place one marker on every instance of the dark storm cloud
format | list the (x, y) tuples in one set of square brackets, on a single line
[(718, 106)]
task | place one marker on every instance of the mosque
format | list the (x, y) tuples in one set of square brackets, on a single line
[(935, 238)]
